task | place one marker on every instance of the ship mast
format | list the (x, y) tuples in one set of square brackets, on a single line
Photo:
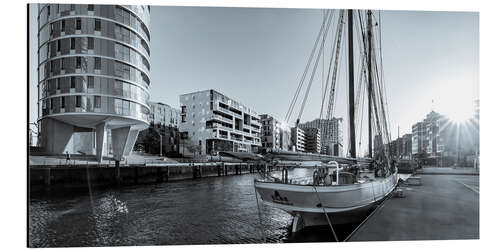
[(370, 84), (352, 135)]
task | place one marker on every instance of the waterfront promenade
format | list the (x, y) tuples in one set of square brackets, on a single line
[(444, 207)]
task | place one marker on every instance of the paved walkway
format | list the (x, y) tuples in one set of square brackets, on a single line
[(460, 171), (445, 207), (90, 160), (131, 159)]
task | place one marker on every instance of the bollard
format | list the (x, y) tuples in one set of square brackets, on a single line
[(193, 167), (168, 172), (47, 180), (117, 173), (159, 177), (136, 175)]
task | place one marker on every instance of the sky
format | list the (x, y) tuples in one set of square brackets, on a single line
[(257, 55)]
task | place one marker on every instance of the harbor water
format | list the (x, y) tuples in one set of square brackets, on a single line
[(213, 210)]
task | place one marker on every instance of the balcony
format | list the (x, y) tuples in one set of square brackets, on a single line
[(223, 110), (215, 125), (236, 138), (221, 118), (248, 141), (255, 122)]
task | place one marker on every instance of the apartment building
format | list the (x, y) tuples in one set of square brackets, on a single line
[(331, 134), (275, 134), (298, 139), (214, 122), (312, 140), (164, 115), (94, 78)]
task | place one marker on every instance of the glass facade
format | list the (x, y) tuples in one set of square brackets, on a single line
[(94, 59)]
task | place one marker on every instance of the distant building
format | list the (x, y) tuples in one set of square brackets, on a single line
[(401, 148), (426, 136), (439, 141), (475, 126), (312, 140), (434, 122), (30, 134), (298, 140), (476, 109), (213, 122), (164, 122), (405, 150), (331, 134), (418, 137), (275, 135), (149, 140), (164, 114)]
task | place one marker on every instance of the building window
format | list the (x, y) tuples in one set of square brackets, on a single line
[(63, 25), (78, 24), (59, 45), (78, 62), (58, 85), (90, 80), (48, 10), (62, 64), (97, 25), (63, 100), (90, 7), (51, 29), (97, 102), (78, 101), (72, 7), (51, 103), (73, 82), (97, 63), (72, 43), (90, 43)]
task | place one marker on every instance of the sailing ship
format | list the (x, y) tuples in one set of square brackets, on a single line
[(340, 190)]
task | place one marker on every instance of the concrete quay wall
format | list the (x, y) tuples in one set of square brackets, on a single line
[(84, 176)]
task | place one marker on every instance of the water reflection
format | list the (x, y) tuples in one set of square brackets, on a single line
[(204, 211)]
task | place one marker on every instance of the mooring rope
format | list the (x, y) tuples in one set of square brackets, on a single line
[(324, 211), (262, 235)]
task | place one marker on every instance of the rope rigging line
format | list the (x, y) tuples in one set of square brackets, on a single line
[(361, 98), (335, 52), (262, 234), (331, 98), (382, 69), (336, 93), (301, 82), (313, 73)]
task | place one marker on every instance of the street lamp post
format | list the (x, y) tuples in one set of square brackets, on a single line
[(161, 139)]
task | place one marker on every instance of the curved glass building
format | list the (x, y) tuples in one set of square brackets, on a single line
[(93, 77)]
